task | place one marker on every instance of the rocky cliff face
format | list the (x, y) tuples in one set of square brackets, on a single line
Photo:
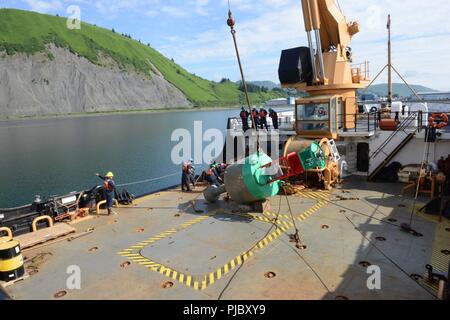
[(60, 82)]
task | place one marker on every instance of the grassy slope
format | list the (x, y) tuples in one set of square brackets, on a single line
[(29, 32)]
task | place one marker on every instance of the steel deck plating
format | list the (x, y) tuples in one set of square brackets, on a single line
[(173, 245)]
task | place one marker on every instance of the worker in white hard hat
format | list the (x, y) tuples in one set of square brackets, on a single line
[(109, 186)]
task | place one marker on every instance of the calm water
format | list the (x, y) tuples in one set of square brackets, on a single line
[(57, 156)]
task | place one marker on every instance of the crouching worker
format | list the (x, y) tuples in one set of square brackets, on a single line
[(212, 176), (109, 186), (185, 177)]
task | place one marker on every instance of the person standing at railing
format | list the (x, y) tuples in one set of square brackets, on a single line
[(274, 116), (244, 117), (255, 116), (263, 119)]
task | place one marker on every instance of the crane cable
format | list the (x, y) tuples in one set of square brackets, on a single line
[(231, 23), (295, 237)]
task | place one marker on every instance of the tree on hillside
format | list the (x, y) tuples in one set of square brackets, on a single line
[(250, 87)]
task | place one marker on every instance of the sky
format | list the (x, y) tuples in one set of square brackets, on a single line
[(194, 33)]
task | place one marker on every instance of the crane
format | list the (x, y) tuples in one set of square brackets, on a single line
[(324, 70)]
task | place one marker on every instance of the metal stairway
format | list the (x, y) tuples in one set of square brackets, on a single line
[(391, 146)]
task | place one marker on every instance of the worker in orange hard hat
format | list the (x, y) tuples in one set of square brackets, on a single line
[(109, 186)]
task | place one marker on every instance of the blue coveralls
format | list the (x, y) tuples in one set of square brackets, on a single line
[(110, 192), (185, 178)]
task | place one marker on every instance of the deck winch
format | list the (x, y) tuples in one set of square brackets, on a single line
[(327, 156)]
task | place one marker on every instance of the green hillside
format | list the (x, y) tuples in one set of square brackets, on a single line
[(399, 89), (30, 32)]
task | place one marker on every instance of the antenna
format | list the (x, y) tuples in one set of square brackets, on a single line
[(389, 65)]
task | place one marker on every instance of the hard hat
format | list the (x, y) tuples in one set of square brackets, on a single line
[(110, 175)]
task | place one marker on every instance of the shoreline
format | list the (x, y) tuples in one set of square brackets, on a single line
[(112, 113)]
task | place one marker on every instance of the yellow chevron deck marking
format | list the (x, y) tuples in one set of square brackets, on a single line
[(282, 222)]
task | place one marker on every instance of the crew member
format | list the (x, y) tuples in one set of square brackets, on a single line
[(211, 176), (109, 186), (255, 116), (274, 116), (263, 118), (244, 117), (191, 169), (185, 177)]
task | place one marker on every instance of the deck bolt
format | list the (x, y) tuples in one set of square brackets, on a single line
[(93, 249), (270, 275), (126, 264), (325, 227), (60, 294), (342, 211), (167, 285), (365, 264), (140, 230), (416, 277)]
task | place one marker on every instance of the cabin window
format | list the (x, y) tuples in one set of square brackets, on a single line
[(313, 117)]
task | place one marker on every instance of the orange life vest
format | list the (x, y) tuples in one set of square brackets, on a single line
[(107, 186)]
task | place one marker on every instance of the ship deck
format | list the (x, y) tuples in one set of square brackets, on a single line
[(209, 252)]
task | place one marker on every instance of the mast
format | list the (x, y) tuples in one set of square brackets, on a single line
[(389, 62)]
